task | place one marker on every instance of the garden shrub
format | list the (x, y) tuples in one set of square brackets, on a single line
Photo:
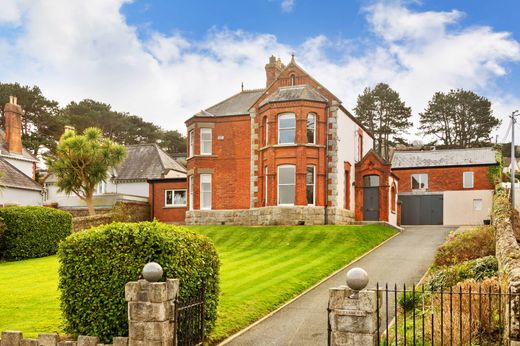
[(478, 269), (471, 244), (96, 264), (409, 300), (32, 232)]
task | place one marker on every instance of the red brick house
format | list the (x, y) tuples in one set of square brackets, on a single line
[(449, 187), (289, 153)]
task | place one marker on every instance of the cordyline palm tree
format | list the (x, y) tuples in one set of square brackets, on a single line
[(83, 161)]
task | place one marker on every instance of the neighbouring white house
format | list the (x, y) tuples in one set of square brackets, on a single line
[(128, 181), (17, 164)]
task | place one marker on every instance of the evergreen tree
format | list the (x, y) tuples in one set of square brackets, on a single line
[(385, 115), (459, 119)]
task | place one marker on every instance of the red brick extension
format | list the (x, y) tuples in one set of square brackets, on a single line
[(445, 178), (157, 208)]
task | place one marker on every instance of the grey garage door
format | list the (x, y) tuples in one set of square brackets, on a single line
[(421, 209)]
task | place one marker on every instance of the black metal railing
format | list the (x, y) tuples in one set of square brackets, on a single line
[(189, 320), (471, 315)]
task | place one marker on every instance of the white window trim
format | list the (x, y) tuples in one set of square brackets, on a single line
[(278, 183), (464, 180), (191, 186), (285, 115), (210, 193), (420, 182), (313, 185), (191, 141), (314, 129), (100, 189), (266, 182), (207, 130), (266, 139), (173, 205)]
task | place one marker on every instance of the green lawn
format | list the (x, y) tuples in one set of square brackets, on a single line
[(261, 268)]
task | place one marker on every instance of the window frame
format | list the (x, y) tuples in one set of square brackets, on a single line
[(313, 128), (313, 184), (478, 204), (282, 116), (202, 191), (203, 141), (191, 185), (293, 184), (393, 195), (472, 174), (266, 130), (173, 205), (100, 188), (191, 143), (420, 181)]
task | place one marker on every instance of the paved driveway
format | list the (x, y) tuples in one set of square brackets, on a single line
[(403, 259)]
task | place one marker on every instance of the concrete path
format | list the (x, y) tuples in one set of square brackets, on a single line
[(403, 259)]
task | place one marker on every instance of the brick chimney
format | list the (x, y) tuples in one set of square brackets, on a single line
[(273, 69), (13, 125)]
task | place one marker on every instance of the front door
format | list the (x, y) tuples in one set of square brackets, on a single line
[(371, 198)]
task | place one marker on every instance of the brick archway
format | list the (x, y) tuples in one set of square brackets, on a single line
[(373, 164)]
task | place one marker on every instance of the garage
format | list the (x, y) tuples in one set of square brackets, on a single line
[(422, 209)]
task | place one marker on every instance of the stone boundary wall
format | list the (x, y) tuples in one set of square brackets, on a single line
[(508, 256), (15, 338), (270, 216), (84, 222)]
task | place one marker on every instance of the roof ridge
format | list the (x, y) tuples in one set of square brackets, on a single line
[(438, 150)]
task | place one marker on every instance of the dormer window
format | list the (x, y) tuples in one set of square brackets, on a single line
[(286, 128), (293, 79)]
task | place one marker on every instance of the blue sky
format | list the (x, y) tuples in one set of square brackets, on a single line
[(165, 60)]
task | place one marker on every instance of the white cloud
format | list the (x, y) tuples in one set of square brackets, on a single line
[(287, 5), (76, 50)]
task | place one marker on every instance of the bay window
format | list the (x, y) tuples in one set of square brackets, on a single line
[(205, 191), (311, 185), (191, 139), (286, 128), (286, 184), (205, 141), (311, 128)]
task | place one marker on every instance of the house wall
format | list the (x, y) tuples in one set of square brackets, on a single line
[(229, 163), (347, 149), (445, 178), (20, 197), (26, 167), (157, 201), (458, 207), (137, 188)]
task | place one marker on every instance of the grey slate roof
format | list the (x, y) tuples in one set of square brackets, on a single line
[(292, 93), (148, 161), (237, 104), (447, 157), (26, 155), (12, 177)]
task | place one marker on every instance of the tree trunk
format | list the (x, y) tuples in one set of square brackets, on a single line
[(90, 205)]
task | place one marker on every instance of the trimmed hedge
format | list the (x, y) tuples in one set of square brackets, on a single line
[(31, 232), (96, 264)]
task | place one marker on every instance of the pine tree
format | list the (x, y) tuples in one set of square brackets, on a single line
[(459, 119), (385, 115)]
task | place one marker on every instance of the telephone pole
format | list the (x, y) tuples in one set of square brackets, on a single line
[(513, 161)]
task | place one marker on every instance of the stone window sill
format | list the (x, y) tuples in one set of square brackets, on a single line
[(174, 206)]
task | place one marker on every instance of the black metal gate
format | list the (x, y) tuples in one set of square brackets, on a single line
[(422, 209), (189, 320), (456, 316)]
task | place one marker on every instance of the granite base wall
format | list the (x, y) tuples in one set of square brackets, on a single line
[(270, 216)]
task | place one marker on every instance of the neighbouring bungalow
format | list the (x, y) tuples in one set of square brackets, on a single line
[(127, 182), (445, 187), (289, 153), (17, 164)]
